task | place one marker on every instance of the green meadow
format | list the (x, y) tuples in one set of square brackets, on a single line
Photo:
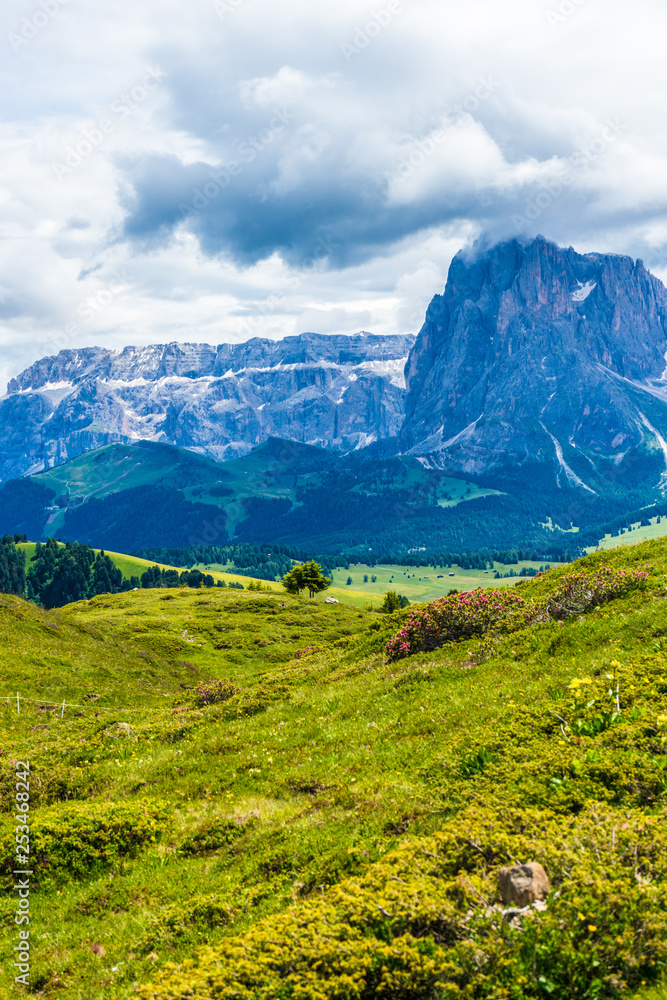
[(636, 533), (243, 797), (418, 583)]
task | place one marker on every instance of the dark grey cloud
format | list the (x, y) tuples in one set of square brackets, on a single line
[(237, 213)]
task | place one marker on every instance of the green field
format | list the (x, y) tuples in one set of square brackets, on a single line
[(454, 491), (116, 467), (418, 583), (335, 820), (636, 534)]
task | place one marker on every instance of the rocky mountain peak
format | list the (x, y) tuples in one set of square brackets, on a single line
[(537, 353)]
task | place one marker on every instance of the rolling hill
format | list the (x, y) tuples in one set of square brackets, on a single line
[(242, 794)]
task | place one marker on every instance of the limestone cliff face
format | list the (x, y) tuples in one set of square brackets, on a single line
[(537, 353), (334, 391), (534, 355)]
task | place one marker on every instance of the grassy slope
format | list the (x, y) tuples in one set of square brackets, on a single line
[(319, 765), (635, 535), (117, 467)]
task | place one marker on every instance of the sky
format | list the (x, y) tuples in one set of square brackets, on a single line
[(216, 170)]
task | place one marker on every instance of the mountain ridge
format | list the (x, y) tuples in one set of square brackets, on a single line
[(331, 391), (536, 363)]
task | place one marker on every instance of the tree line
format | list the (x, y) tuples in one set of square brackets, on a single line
[(262, 562), (61, 574), (272, 562), (156, 576)]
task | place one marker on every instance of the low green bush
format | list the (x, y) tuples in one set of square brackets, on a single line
[(211, 692), (78, 840), (461, 616), (212, 836), (427, 920), (581, 592), (179, 919)]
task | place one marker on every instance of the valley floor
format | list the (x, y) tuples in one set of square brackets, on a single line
[(417, 583)]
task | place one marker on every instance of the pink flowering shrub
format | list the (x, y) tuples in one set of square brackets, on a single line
[(460, 616), (298, 653), (208, 693), (478, 612), (586, 590)]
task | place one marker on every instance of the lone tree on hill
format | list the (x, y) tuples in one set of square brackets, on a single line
[(307, 576)]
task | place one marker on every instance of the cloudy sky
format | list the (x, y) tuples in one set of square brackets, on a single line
[(221, 169)]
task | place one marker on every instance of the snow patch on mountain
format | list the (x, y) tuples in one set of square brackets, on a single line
[(393, 369), (659, 438), (574, 479), (340, 392), (583, 291)]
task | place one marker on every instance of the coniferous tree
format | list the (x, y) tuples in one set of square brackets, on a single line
[(392, 602), (294, 582), (314, 578), (12, 567)]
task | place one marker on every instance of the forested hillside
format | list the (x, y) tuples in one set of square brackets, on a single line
[(58, 574), (285, 497)]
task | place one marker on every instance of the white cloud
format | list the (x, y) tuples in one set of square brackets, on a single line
[(96, 253)]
